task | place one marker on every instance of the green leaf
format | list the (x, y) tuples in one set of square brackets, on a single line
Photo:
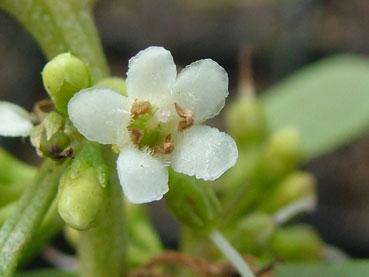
[(327, 101), (347, 269), (23, 223)]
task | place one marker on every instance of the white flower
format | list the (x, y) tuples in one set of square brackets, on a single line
[(156, 125), (14, 120)]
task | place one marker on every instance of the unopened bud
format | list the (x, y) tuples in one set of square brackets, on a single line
[(192, 201), (253, 233), (49, 138), (298, 243), (63, 76), (248, 157), (245, 120), (80, 198), (282, 155), (81, 191), (295, 186), (116, 83)]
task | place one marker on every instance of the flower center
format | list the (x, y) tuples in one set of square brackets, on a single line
[(155, 128)]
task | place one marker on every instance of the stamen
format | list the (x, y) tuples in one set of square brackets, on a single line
[(187, 115), (136, 135), (140, 108), (166, 147)]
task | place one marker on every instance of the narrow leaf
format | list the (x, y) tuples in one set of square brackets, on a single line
[(23, 223)]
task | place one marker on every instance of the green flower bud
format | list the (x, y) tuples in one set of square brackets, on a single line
[(253, 234), (282, 155), (245, 120), (248, 157), (116, 83), (192, 201), (294, 187), (80, 198), (81, 192), (63, 76), (298, 243), (49, 138)]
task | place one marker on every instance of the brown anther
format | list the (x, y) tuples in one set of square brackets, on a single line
[(140, 108), (136, 135), (187, 115), (42, 108), (166, 147), (67, 153)]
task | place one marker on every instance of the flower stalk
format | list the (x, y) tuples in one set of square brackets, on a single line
[(232, 255)]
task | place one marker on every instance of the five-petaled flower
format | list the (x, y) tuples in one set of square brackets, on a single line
[(158, 123)]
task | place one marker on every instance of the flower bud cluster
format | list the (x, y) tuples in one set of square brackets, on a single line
[(82, 187), (266, 184)]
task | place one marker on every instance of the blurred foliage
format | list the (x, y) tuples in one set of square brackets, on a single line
[(327, 101)]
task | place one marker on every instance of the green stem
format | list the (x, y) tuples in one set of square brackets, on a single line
[(22, 225), (61, 26), (102, 249)]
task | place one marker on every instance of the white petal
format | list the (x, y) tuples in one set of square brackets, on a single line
[(204, 152), (100, 114), (151, 73), (143, 177), (202, 87), (14, 120)]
